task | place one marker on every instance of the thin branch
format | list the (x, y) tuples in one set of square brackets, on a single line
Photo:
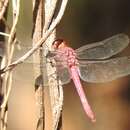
[(2, 114), (49, 13), (16, 9), (4, 6), (50, 7), (4, 34), (5, 120), (7, 83), (9, 29)]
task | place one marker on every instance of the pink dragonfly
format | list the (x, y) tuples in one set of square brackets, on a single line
[(91, 63)]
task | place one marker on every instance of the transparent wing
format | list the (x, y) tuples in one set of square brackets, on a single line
[(19, 52), (103, 49), (62, 70), (63, 74), (104, 71)]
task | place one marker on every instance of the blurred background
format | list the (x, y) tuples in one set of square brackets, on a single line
[(85, 21)]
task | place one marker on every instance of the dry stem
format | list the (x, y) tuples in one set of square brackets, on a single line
[(7, 77), (3, 8)]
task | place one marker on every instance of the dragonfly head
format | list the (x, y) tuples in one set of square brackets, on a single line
[(59, 43)]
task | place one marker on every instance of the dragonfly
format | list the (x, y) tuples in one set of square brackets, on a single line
[(91, 63)]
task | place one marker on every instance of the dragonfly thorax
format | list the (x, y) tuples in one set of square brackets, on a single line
[(64, 54), (67, 56)]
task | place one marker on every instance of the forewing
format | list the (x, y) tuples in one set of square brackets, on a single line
[(104, 71), (103, 49)]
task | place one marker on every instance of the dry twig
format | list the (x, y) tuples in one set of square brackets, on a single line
[(56, 96), (7, 58), (3, 8)]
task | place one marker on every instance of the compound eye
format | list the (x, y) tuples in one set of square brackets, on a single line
[(56, 44)]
